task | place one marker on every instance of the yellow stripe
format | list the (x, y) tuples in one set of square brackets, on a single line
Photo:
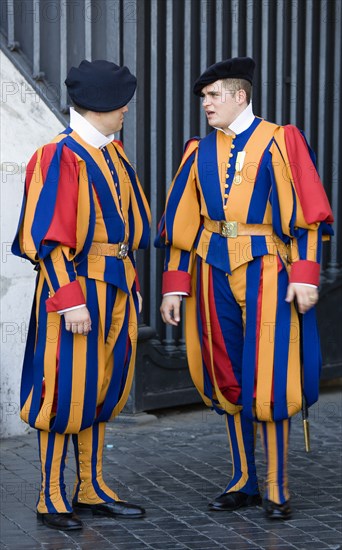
[(133, 335), (286, 425), (272, 474), (193, 347), (312, 243), (293, 381), (265, 359), (242, 454)]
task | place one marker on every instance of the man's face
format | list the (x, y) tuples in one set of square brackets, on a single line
[(111, 122), (221, 105)]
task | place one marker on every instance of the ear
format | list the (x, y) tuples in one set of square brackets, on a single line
[(241, 97)]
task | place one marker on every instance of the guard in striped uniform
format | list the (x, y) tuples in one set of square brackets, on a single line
[(84, 213), (243, 226)]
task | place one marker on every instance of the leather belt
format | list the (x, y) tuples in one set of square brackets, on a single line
[(118, 250), (231, 230)]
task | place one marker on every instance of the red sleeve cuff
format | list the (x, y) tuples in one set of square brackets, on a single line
[(305, 271), (69, 295), (176, 281)]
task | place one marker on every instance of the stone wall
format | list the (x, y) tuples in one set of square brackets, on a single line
[(26, 123)]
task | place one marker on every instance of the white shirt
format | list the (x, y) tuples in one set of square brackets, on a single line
[(242, 121)]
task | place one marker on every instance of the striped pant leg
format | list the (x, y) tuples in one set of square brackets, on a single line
[(242, 437), (52, 453), (275, 437), (90, 487)]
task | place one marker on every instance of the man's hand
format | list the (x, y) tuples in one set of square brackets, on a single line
[(170, 309), (140, 301), (306, 296), (78, 320)]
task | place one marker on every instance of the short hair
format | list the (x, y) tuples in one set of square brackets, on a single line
[(80, 110), (236, 84)]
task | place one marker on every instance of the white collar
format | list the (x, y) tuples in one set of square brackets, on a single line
[(242, 122), (87, 131)]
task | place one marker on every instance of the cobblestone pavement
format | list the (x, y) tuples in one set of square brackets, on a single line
[(174, 463)]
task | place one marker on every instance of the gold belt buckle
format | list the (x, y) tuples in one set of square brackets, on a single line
[(122, 251), (229, 229)]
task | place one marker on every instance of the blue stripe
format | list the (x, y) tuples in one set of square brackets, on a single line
[(113, 222), (247, 430), (27, 371), (312, 360), (47, 200), (184, 261), (38, 359), (261, 190), (61, 474), (41, 469), (48, 464), (90, 392), (118, 373), (249, 353), (259, 246), (210, 177), (282, 342), (145, 237), (230, 319), (217, 254), (64, 403), (51, 272), (265, 437), (78, 473), (302, 239)]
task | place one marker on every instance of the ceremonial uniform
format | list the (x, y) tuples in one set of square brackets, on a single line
[(83, 215), (245, 215)]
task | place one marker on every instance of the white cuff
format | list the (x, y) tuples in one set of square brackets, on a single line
[(61, 311)]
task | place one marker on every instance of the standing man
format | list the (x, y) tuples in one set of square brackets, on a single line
[(243, 227), (84, 213)]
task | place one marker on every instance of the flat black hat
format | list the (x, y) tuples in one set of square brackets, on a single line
[(237, 67), (100, 85)]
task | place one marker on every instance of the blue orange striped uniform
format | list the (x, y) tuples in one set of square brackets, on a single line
[(243, 342), (76, 195)]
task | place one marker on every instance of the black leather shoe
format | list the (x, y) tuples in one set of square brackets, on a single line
[(118, 509), (63, 522), (277, 511), (234, 500)]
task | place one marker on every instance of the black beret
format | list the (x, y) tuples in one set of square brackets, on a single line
[(237, 67), (100, 85)]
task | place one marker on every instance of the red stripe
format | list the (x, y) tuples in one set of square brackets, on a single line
[(205, 339), (63, 224), (307, 183), (224, 372), (45, 161)]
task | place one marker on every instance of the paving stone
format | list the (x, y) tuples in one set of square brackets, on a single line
[(174, 466)]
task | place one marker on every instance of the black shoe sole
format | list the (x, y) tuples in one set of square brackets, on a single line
[(40, 517), (90, 512), (252, 500)]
